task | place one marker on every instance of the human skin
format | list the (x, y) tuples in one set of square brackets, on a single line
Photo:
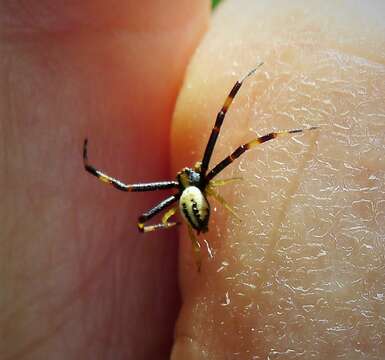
[(302, 277), (77, 280), (303, 271)]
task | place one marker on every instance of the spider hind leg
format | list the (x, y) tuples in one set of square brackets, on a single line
[(165, 224), (196, 247)]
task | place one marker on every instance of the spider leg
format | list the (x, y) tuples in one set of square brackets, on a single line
[(219, 121), (241, 149), (215, 183), (212, 192), (196, 247), (120, 185), (155, 210), (165, 224)]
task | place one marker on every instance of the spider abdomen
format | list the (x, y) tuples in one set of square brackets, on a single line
[(195, 208)]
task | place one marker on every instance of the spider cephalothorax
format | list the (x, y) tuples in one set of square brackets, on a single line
[(192, 185), (189, 177)]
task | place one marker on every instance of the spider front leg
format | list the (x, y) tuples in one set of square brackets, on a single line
[(243, 148), (165, 224), (219, 120), (120, 185)]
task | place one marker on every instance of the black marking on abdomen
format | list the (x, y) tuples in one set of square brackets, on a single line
[(196, 210), (186, 213), (197, 222)]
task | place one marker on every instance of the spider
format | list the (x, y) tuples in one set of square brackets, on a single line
[(192, 185)]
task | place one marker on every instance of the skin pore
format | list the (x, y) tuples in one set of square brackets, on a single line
[(302, 275)]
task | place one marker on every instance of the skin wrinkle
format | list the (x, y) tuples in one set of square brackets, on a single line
[(285, 206), (325, 273)]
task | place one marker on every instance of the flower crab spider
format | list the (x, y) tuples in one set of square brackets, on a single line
[(192, 185)]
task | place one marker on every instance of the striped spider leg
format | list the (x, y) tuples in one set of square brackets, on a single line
[(160, 185), (219, 121), (243, 148)]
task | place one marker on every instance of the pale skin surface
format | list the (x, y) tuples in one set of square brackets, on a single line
[(77, 280), (303, 276)]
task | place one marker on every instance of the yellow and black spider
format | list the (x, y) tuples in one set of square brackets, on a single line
[(192, 185)]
